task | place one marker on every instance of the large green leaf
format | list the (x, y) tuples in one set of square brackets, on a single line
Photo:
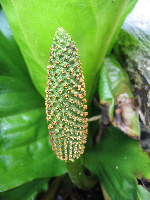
[(91, 25), (117, 160), (25, 150)]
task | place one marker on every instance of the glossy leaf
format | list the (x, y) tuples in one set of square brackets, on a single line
[(91, 25), (106, 93), (117, 160), (25, 149), (117, 99)]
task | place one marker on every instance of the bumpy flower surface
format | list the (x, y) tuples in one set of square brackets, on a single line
[(65, 102)]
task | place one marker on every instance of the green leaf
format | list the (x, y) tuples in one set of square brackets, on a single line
[(25, 191), (91, 25), (128, 9), (25, 149), (117, 160), (117, 98), (105, 92), (143, 194)]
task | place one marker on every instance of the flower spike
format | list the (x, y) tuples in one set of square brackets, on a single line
[(65, 99)]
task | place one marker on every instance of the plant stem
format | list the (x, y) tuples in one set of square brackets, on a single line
[(78, 176)]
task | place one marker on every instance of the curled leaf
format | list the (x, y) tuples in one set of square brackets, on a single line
[(116, 96)]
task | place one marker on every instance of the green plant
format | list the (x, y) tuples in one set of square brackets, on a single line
[(27, 161), (65, 106)]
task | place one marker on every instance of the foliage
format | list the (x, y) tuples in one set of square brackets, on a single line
[(26, 156)]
